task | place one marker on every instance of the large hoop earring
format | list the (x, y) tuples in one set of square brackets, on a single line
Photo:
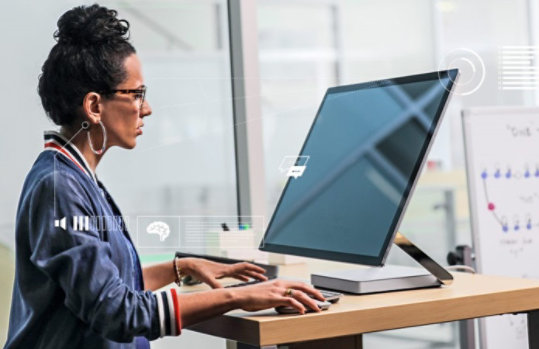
[(100, 151)]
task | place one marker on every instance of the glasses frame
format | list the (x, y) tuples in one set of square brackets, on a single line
[(141, 91)]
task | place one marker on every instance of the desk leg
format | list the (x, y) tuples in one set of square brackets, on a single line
[(467, 334), (533, 329), (348, 342)]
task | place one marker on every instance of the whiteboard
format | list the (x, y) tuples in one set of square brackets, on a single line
[(502, 160)]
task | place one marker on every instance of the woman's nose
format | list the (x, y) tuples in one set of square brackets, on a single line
[(146, 109)]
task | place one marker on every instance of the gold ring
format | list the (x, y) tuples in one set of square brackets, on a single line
[(289, 292)]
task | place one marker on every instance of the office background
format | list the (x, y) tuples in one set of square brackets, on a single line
[(185, 163)]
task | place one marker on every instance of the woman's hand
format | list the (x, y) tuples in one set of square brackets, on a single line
[(277, 293), (209, 271)]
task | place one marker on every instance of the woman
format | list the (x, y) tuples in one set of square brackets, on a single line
[(81, 285)]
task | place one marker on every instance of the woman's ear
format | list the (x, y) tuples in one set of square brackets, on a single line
[(91, 106)]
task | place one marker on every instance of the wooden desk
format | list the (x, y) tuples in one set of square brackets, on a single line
[(470, 296)]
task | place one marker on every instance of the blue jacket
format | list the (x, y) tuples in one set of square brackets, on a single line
[(78, 280)]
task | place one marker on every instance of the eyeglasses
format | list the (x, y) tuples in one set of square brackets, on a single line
[(140, 94)]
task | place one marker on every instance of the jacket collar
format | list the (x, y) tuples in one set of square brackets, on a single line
[(57, 142)]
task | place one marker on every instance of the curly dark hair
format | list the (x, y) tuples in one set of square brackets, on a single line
[(92, 44)]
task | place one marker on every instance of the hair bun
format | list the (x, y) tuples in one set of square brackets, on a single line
[(91, 25)]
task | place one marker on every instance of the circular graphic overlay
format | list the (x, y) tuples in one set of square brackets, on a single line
[(471, 70)]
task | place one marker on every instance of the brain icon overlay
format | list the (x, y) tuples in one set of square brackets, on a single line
[(160, 228)]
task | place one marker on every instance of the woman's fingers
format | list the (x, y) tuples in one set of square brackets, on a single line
[(244, 266), (307, 289), (290, 301), (279, 293), (246, 270), (305, 300), (253, 274), (255, 268), (240, 277)]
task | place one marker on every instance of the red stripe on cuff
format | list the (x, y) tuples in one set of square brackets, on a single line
[(177, 311)]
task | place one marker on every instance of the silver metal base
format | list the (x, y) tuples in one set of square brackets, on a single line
[(375, 279), (388, 278)]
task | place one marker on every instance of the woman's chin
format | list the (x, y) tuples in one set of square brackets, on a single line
[(131, 144), (128, 144)]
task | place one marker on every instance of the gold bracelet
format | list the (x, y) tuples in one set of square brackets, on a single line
[(177, 271)]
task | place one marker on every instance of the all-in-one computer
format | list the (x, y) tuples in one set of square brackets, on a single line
[(366, 147)]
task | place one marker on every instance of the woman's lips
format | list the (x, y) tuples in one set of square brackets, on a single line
[(139, 129)]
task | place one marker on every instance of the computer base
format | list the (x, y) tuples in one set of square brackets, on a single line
[(389, 278), (375, 279)]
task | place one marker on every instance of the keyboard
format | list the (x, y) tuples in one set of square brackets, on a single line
[(330, 296)]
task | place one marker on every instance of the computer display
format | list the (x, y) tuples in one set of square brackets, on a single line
[(365, 150)]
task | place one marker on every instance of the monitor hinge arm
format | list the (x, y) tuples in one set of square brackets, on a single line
[(422, 258)]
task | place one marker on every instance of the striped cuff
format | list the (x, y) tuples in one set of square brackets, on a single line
[(168, 307)]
